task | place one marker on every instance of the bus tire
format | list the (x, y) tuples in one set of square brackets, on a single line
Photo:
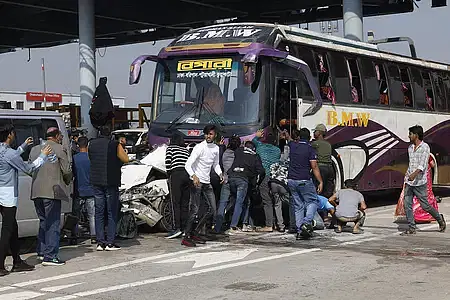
[(338, 179)]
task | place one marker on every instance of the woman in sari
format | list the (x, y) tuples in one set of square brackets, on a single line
[(420, 216)]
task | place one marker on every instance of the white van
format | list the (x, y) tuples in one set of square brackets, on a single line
[(134, 137), (35, 124)]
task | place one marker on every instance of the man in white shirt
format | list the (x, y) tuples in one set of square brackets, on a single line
[(416, 180), (204, 156)]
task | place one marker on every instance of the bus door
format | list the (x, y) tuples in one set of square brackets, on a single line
[(286, 104)]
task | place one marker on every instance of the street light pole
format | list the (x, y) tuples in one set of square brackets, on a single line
[(45, 86)]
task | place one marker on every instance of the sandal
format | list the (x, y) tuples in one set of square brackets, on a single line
[(358, 231)]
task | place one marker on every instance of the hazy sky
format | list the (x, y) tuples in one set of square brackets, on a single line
[(427, 27)]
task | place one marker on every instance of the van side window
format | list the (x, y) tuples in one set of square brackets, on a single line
[(355, 80), (428, 87), (420, 102), (438, 82), (340, 74), (35, 128)]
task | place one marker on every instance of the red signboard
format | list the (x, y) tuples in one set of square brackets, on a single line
[(50, 97)]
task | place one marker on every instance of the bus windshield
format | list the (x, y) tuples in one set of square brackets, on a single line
[(205, 90)]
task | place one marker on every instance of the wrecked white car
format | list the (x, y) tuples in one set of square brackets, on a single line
[(145, 192)]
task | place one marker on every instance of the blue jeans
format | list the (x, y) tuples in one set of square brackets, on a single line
[(106, 199), (304, 196), (49, 214), (89, 206), (239, 186), (223, 203)]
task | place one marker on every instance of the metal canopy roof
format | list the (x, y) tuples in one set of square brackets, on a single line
[(44, 23)]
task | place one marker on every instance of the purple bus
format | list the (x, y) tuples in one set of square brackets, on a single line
[(247, 76)]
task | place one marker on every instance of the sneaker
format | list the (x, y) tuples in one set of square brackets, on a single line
[(306, 230), (101, 247), (93, 241), (410, 231), (3, 272), (53, 262), (266, 229), (442, 224), (282, 229), (112, 247), (40, 257), (22, 267), (233, 231), (188, 242), (247, 228), (197, 239), (174, 234)]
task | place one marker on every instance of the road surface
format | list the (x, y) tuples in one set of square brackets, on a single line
[(379, 264)]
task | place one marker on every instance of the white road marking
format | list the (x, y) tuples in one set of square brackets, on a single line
[(20, 296), (210, 258), (114, 266), (181, 275), (59, 287)]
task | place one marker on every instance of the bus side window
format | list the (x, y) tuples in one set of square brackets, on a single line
[(446, 77), (324, 78), (439, 92), (306, 54), (419, 92), (341, 79), (406, 87), (370, 80), (429, 94), (396, 87), (383, 88), (355, 80)]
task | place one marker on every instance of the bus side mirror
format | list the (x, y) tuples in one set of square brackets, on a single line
[(135, 69)]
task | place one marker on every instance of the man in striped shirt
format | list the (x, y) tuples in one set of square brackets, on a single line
[(269, 154), (176, 156)]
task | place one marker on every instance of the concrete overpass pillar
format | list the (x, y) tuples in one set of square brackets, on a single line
[(86, 31), (353, 19)]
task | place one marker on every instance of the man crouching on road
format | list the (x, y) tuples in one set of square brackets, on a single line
[(347, 202), (204, 156)]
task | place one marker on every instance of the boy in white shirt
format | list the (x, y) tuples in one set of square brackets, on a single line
[(204, 156)]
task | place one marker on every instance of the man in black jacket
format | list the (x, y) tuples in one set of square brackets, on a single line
[(106, 156), (246, 165)]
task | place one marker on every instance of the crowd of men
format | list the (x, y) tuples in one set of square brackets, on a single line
[(244, 167), (97, 176)]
